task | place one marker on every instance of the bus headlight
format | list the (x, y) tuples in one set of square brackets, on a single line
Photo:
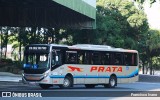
[(45, 74)]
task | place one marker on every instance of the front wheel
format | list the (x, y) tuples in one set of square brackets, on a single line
[(67, 83)]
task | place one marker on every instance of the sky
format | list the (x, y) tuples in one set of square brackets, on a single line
[(153, 14)]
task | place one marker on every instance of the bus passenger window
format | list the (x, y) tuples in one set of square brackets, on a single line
[(80, 58), (117, 59), (95, 59), (71, 57), (105, 58), (86, 58), (130, 59)]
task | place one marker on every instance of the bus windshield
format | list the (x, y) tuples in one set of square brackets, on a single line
[(36, 61)]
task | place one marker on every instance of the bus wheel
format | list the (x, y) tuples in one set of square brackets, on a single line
[(112, 82), (45, 86), (67, 83), (89, 85)]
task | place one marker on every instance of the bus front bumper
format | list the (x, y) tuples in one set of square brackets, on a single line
[(35, 79)]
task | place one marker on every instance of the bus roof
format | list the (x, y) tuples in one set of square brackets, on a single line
[(89, 47), (101, 48)]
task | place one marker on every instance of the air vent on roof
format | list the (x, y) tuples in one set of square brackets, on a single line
[(93, 46)]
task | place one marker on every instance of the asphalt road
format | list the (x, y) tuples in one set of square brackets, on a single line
[(137, 86), (80, 92), (147, 84)]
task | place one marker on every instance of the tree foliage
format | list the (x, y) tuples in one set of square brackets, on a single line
[(142, 1), (119, 24)]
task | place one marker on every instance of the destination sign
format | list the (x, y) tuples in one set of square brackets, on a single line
[(37, 48)]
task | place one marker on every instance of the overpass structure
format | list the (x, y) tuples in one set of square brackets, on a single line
[(47, 13)]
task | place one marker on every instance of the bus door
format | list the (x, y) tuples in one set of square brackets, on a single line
[(56, 60), (75, 67), (94, 60)]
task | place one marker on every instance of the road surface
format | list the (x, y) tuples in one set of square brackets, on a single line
[(80, 92)]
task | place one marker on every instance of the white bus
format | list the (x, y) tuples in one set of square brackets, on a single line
[(91, 65)]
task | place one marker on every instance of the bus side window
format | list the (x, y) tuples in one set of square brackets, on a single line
[(126, 58), (80, 57), (130, 59), (96, 58), (86, 57), (118, 59), (71, 57), (135, 60), (105, 58)]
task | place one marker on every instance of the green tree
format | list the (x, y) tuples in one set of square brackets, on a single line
[(142, 1), (154, 47), (5, 35), (149, 48), (120, 23)]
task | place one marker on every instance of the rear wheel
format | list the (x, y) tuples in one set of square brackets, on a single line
[(45, 86), (89, 85), (112, 82), (67, 83)]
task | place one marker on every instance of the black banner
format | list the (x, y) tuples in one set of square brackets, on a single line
[(79, 93)]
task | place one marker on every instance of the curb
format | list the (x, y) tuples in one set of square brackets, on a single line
[(149, 78), (9, 74)]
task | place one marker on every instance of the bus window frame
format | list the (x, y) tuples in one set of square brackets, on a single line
[(135, 59), (114, 59), (96, 55), (69, 60), (104, 60)]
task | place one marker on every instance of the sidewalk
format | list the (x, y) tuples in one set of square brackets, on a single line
[(6, 76), (149, 78)]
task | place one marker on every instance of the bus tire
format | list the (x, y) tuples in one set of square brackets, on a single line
[(112, 82), (45, 86), (89, 85), (67, 82)]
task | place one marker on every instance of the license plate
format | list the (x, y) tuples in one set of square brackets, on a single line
[(32, 83)]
